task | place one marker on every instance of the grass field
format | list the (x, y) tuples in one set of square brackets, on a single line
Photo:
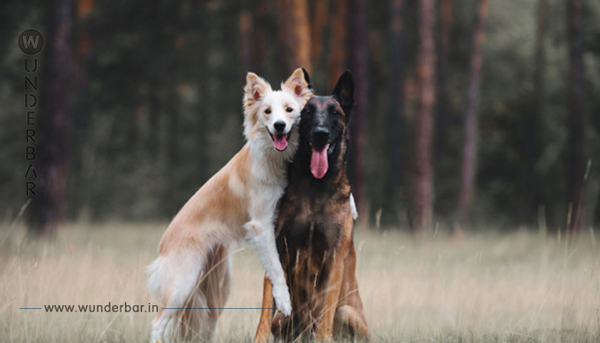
[(521, 287)]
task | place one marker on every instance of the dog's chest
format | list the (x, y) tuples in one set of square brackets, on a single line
[(309, 224), (309, 232)]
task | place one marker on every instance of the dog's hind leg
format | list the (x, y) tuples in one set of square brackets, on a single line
[(349, 317), (282, 328), (335, 283), (159, 325), (325, 329), (205, 304), (350, 322), (172, 279), (215, 287)]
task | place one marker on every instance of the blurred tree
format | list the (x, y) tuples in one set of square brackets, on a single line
[(469, 154), (84, 7), (423, 215), (445, 149), (395, 113), (445, 29), (338, 43), (358, 130), (202, 66), (259, 38), (319, 16), (532, 123), (49, 206), (576, 122), (295, 35), (246, 33)]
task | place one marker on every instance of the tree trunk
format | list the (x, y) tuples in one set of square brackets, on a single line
[(395, 121), (246, 30), (532, 153), (425, 122), (259, 39), (319, 19), (468, 161), (205, 102), (295, 34), (358, 130), (337, 43), (441, 120), (49, 206), (576, 121), (84, 7), (596, 221)]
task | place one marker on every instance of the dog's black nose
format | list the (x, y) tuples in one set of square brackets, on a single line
[(279, 125), (321, 134)]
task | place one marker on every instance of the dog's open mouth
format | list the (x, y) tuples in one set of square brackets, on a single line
[(280, 140), (318, 161)]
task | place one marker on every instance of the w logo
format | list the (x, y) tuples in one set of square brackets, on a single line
[(31, 42)]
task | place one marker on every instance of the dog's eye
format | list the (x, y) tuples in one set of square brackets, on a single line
[(268, 111), (289, 110)]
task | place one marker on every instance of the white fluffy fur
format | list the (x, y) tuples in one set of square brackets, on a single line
[(353, 207)]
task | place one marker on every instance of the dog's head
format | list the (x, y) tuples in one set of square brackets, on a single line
[(323, 125), (274, 113)]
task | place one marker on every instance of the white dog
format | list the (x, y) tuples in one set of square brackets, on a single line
[(192, 269)]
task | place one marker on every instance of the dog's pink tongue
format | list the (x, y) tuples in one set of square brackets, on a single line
[(280, 141), (318, 162)]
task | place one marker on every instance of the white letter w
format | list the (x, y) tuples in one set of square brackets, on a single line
[(29, 40)]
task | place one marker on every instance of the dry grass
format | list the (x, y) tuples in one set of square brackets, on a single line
[(485, 288)]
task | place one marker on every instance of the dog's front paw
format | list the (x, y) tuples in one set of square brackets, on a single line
[(282, 299)]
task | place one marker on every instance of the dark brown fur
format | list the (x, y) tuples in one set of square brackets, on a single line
[(314, 233)]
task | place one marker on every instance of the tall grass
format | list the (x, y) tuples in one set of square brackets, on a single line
[(484, 288)]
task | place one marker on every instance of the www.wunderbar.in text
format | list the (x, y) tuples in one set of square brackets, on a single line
[(125, 308)]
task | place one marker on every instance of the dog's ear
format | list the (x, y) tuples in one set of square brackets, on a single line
[(298, 84), (307, 79), (255, 89), (344, 92)]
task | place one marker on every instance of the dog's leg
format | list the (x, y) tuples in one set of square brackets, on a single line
[(349, 321), (325, 328), (334, 287), (281, 328), (349, 318), (159, 324), (266, 314), (261, 235), (215, 288), (173, 278)]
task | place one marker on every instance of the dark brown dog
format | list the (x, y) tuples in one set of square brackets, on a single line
[(314, 229)]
